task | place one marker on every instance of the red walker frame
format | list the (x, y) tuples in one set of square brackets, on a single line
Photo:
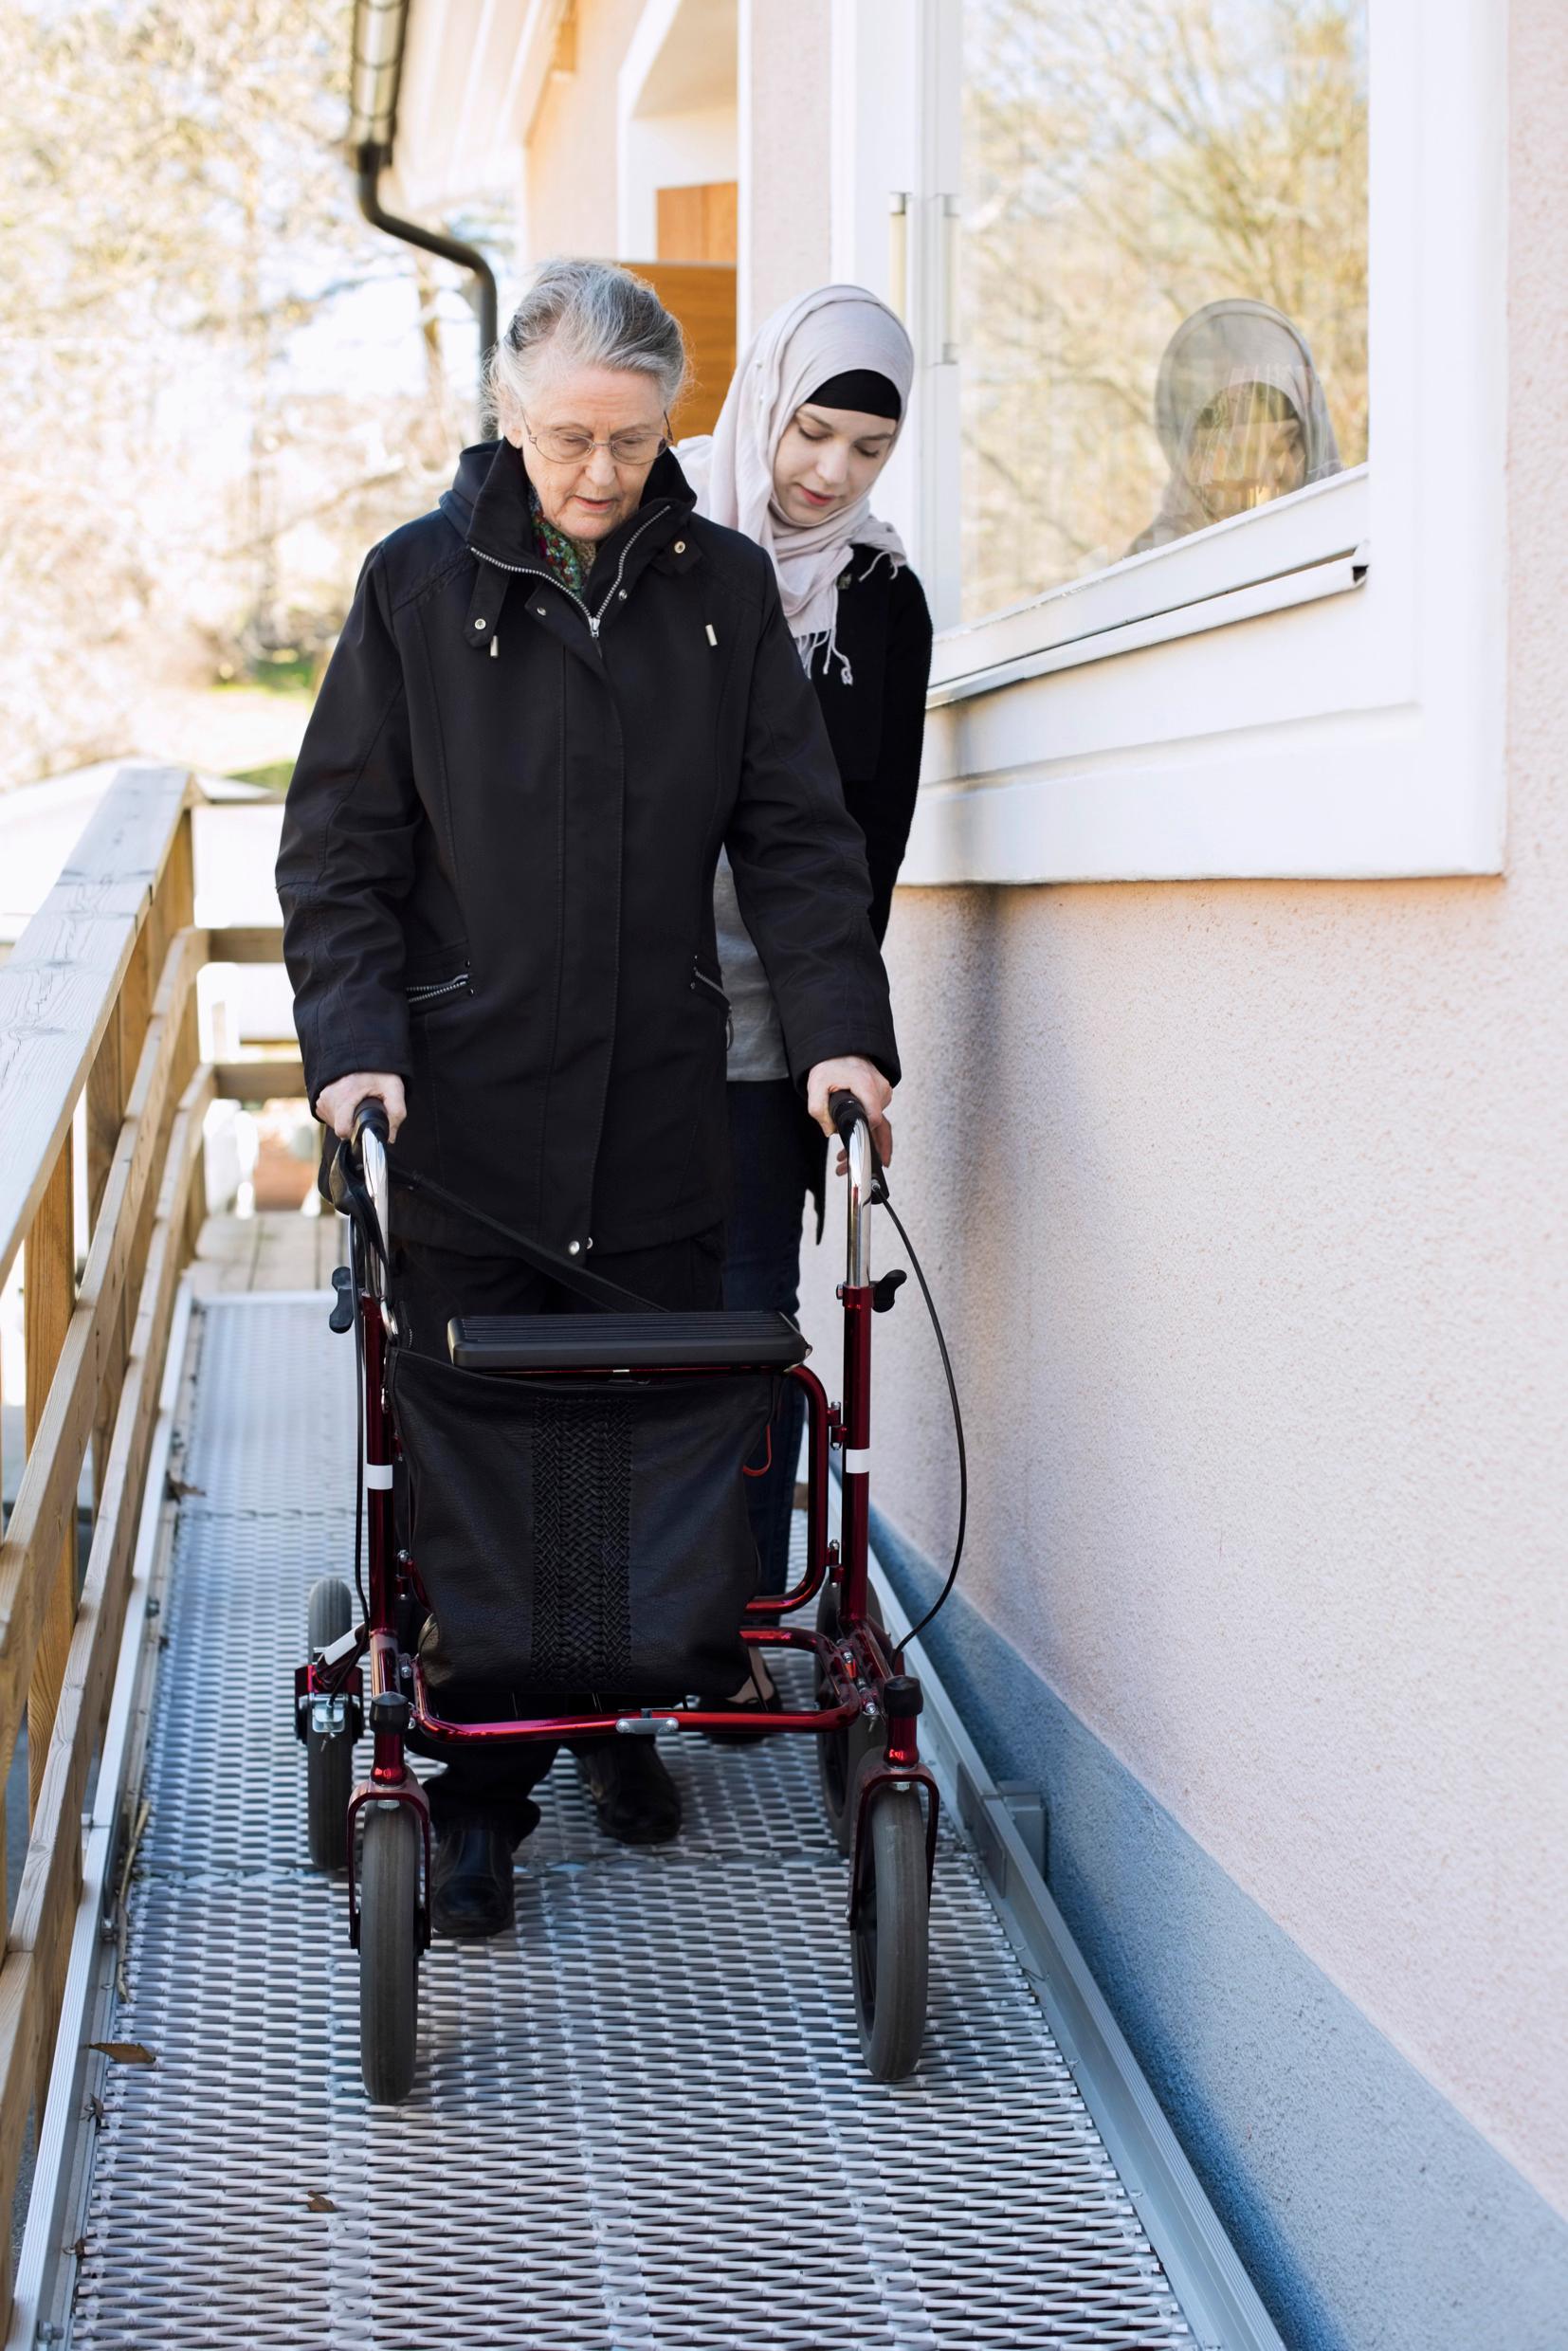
[(861, 1675)]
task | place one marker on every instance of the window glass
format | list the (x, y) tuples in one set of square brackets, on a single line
[(1161, 273)]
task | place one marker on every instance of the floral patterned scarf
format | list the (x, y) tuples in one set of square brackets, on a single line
[(571, 559)]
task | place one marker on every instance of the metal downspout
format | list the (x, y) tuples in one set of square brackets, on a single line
[(371, 163), (380, 30)]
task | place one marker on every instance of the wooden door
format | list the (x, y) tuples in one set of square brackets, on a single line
[(700, 224), (701, 296)]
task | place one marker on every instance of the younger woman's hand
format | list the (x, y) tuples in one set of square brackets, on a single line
[(337, 1104)]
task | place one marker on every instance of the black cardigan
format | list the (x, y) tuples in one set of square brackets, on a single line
[(876, 725), (877, 722)]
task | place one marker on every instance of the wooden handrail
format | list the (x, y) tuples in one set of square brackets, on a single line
[(249, 944), (33, 1974), (271, 1076), (44, 1510), (97, 1010), (61, 983)]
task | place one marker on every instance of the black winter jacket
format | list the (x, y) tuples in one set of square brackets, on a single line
[(498, 849)]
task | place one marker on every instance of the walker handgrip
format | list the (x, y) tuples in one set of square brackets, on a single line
[(371, 1119), (847, 1111), (844, 1109)]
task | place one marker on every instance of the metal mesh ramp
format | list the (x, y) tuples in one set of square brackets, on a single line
[(640, 2123)]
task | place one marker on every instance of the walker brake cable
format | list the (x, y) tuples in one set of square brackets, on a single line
[(355, 1246), (940, 1601)]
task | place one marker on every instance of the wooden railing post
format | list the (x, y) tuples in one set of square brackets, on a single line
[(136, 998), (174, 910), (182, 868), (105, 1111), (175, 900), (48, 1274), (133, 1012)]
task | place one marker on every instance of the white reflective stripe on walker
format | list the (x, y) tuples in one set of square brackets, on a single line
[(857, 1460), (378, 1476)]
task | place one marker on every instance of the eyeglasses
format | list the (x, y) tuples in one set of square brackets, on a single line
[(564, 446)]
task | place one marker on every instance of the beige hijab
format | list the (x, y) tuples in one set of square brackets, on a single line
[(1225, 345), (823, 333)]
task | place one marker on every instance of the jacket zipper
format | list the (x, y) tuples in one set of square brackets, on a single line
[(425, 991), (537, 571), (701, 979)]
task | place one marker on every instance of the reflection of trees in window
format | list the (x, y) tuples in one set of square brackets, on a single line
[(1127, 164)]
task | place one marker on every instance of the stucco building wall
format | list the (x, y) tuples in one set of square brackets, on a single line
[(1244, 1207), (570, 168), (786, 220), (570, 196)]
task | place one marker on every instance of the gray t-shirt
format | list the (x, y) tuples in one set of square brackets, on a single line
[(757, 1041)]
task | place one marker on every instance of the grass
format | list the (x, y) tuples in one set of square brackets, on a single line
[(289, 672), (274, 777)]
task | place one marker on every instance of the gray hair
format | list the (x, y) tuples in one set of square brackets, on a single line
[(584, 314)]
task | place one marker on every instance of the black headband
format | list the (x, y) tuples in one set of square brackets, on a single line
[(862, 392)]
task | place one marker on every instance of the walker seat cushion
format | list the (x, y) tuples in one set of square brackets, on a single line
[(615, 1342)]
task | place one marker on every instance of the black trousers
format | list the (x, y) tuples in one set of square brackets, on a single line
[(774, 1157), (431, 1285)]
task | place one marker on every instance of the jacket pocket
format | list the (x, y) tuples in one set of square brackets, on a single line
[(705, 986), (422, 994)]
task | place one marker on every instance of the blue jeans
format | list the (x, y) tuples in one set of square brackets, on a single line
[(771, 1170)]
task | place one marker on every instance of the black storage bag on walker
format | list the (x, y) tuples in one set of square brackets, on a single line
[(578, 1534)]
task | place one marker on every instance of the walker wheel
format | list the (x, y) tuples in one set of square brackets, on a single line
[(389, 1950), (329, 1760), (838, 1753), (890, 1937)]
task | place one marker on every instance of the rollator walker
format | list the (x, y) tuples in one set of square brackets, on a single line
[(879, 1797)]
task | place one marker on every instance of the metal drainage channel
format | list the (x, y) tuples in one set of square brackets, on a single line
[(640, 2121)]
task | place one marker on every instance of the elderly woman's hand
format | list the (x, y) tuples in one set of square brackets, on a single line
[(871, 1089), (337, 1104)]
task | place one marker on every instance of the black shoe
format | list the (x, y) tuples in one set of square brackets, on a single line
[(471, 1879), (635, 1798), (758, 1694)]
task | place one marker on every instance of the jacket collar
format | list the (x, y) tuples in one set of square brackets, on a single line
[(488, 504)]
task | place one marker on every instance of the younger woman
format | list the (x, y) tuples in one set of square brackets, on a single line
[(811, 419)]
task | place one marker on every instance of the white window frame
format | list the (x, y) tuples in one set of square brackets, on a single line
[(1315, 689)]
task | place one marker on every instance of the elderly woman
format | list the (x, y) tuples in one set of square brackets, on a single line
[(556, 699)]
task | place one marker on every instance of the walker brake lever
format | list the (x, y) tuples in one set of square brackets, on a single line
[(341, 1317)]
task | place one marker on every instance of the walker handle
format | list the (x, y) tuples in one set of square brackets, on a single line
[(847, 1111), (371, 1133), (844, 1109), (855, 1132), (370, 1118)]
